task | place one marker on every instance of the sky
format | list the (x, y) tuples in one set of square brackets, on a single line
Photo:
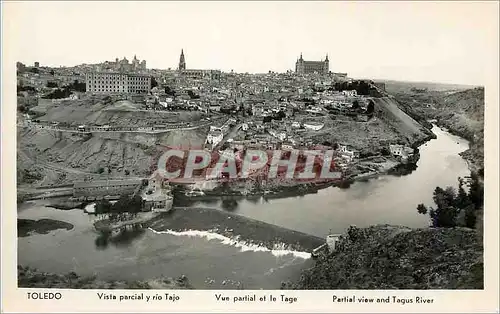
[(448, 42)]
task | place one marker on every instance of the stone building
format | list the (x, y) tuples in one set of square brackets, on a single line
[(102, 188), (196, 73), (307, 67), (116, 82), (157, 197), (124, 65)]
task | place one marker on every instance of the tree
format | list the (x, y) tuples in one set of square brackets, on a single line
[(385, 151), (76, 86), (51, 84), (470, 216), (100, 170), (462, 200), (476, 191), (422, 209), (370, 108), (154, 83), (127, 172), (58, 94), (444, 217), (103, 207), (450, 203), (169, 91), (280, 115)]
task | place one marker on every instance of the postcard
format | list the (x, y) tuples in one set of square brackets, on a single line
[(250, 156)]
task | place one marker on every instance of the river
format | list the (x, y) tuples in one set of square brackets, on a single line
[(214, 264)]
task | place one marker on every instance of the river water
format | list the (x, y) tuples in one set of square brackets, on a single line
[(212, 263)]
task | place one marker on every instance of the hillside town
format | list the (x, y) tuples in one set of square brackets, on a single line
[(240, 111)]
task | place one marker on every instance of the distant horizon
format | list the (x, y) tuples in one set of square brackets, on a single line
[(264, 72), (447, 42)]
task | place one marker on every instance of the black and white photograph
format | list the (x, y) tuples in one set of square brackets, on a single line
[(252, 146)]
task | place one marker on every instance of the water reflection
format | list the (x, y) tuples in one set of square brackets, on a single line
[(254, 200), (102, 241), (229, 205), (403, 169), (122, 238)]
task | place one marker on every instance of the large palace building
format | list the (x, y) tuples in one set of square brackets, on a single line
[(196, 73), (306, 67), (116, 82)]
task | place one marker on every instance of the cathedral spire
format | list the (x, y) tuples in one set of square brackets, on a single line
[(326, 57), (182, 61)]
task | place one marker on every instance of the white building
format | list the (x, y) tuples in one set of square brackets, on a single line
[(331, 241), (214, 137), (350, 93), (313, 126), (401, 151), (348, 152), (112, 82), (156, 197)]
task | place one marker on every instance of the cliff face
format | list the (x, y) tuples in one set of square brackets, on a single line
[(393, 257), (410, 129)]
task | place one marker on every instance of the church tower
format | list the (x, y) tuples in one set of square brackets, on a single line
[(299, 65), (326, 65), (182, 61)]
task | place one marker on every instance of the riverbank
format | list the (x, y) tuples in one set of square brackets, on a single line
[(42, 226), (67, 204), (395, 257), (31, 278), (235, 227), (461, 113)]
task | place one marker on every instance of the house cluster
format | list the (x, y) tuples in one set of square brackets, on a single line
[(46, 79), (402, 152), (279, 135)]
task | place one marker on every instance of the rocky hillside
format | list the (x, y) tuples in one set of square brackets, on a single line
[(32, 278), (42, 152), (411, 130), (393, 257)]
